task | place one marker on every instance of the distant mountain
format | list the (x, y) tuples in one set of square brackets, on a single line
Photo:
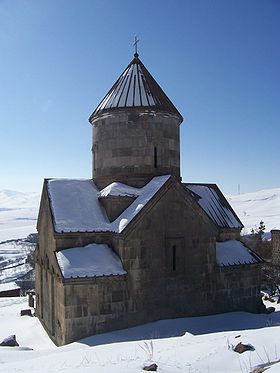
[(254, 207)]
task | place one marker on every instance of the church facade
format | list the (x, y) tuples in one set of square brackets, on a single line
[(135, 244)]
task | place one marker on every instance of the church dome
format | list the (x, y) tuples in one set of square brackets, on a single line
[(136, 134), (135, 88)]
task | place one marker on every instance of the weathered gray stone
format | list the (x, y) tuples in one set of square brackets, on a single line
[(151, 368), (275, 242), (241, 347), (10, 341), (123, 149), (26, 312)]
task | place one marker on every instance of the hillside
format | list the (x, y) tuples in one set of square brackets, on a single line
[(254, 207), (18, 214)]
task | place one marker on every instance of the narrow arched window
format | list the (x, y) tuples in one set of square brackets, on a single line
[(155, 157), (174, 258), (94, 156)]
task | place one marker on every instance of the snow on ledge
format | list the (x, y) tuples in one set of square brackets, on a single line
[(233, 252), (119, 189), (9, 286), (89, 261)]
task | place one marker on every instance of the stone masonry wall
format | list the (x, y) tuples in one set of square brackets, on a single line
[(238, 289), (115, 205), (275, 243), (134, 147), (169, 256), (49, 289), (229, 234), (94, 306)]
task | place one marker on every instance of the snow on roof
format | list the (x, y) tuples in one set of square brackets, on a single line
[(8, 286), (234, 252), (211, 199), (89, 261), (119, 189), (76, 207)]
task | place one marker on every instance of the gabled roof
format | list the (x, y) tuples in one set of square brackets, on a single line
[(136, 88), (76, 207), (234, 252), (213, 202)]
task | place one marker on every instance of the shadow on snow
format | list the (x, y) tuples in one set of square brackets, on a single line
[(233, 321)]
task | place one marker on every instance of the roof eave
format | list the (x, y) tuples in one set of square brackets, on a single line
[(146, 109)]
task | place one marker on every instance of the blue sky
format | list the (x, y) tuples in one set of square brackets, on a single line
[(217, 60)]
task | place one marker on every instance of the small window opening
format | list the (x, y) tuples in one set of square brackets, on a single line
[(174, 258), (155, 157), (94, 157)]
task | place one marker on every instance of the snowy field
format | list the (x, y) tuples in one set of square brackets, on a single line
[(18, 214), (191, 345), (251, 208)]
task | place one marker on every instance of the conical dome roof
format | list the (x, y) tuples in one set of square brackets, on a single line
[(135, 88)]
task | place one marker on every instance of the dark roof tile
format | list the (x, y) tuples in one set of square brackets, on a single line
[(213, 202), (135, 88)]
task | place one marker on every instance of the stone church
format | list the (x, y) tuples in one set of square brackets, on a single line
[(135, 244)]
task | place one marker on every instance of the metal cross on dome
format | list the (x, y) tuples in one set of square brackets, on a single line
[(136, 41)]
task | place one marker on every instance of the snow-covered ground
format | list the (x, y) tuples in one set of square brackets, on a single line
[(191, 345)]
